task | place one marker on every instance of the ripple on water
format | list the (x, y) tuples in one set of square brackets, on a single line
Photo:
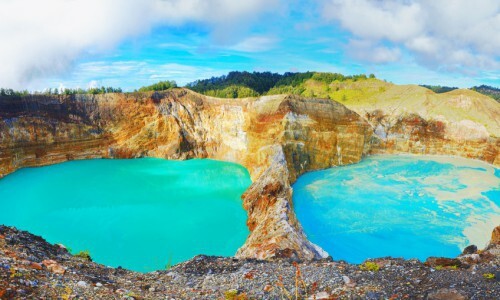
[(401, 206)]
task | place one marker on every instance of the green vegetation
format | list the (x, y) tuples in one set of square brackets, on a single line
[(12, 93), (490, 91), (85, 254), (246, 84), (50, 91), (159, 86), (489, 276), (369, 266), (438, 88), (234, 295), (232, 91)]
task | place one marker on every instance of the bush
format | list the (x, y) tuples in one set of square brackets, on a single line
[(85, 254), (369, 266)]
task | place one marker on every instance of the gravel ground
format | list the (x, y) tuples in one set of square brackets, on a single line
[(31, 268)]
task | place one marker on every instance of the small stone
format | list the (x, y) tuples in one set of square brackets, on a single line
[(152, 289), (320, 296), (268, 288), (446, 294), (98, 284), (81, 283), (61, 246), (348, 281), (373, 296), (36, 266)]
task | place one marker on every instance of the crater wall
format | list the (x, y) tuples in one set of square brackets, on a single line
[(277, 138)]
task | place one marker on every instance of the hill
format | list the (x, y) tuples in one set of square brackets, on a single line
[(246, 84), (469, 111), (488, 91)]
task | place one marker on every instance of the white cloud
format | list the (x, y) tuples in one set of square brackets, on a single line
[(42, 38), (255, 44), (130, 74), (367, 51), (457, 35)]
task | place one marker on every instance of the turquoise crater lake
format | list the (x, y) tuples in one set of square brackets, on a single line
[(141, 214), (400, 206)]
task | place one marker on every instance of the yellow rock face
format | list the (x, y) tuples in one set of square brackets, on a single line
[(277, 138)]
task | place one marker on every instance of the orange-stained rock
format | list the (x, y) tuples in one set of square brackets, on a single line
[(495, 236), (53, 266), (35, 266)]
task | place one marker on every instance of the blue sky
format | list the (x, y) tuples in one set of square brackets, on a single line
[(132, 43)]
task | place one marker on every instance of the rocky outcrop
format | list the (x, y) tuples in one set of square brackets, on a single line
[(412, 119), (277, 138), (411, 133), (495, 237)]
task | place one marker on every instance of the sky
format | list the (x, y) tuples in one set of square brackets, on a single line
[(132, 43)]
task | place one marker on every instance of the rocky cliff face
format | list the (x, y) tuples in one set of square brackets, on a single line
[(277, 138), (416, 120)]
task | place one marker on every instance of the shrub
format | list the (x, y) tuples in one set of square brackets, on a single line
[(369, 266), (85, 254)]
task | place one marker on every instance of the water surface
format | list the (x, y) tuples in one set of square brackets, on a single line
[(140, 214), (401, 206)]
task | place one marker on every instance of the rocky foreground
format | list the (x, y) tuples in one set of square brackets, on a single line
[(31, 268)]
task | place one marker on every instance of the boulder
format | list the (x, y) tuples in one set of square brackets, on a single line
[(471, 249), (442, 262)]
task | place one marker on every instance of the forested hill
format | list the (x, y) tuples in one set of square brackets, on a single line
[(246, 84), (312, 84), (488, 91)]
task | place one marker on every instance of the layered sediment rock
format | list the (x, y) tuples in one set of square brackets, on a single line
[(277, 138), (461, 122)]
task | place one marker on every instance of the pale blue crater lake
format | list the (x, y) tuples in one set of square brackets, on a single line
[(400, 206), (141, 214)]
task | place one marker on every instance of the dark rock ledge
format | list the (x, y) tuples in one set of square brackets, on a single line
[(31, 268)]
